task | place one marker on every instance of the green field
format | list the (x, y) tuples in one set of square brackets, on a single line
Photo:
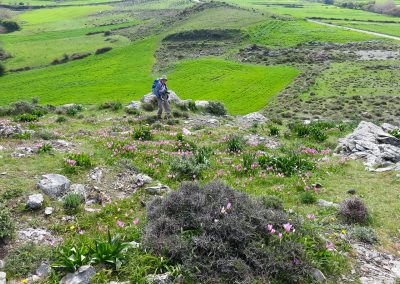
[(385, 28), (125, 74), (293, 32), (242, 88)]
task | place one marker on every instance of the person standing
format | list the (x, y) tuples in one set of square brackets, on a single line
[(160, 90)]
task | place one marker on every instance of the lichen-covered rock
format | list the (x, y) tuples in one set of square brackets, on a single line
[(54, 185), (371, 143), (35, 201), (82, 276)]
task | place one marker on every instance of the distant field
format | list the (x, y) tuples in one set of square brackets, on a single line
[(359, 78), (311, 9), (290, 33), (385, 28), (242, 88), (52, 3), (124, 75)]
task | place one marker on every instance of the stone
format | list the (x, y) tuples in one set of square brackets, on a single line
[(96, 174), (82, 276), (388, 127), (38, 236), (48, 211), (134, 105), (35, 201), (201, 104), (396, 268), (379, 150), (318, 275), (159, 279), (3, 278), (79, 189), (142, 179), (325, 203), (150, 98), (254, 117), (2, 264), (43, 270), (7, 131), (159, 189), (54, 185)]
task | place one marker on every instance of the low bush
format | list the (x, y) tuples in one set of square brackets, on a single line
[(192, 106), (72, 201), (23, 107), (7, 228), (354, 211), (289, 164), (247, 241), (216, 108), (114, 106), (73, 110), (26, 117), (235, 144), (46, 135), (272, 202), (61, 119), (187, 167), (314, 130), (23, 136), (142, 133), (364, 234), (103, 50), (308, 197), (26, 259), (10, 26), (149, 106), (273, 131), (2, 70)]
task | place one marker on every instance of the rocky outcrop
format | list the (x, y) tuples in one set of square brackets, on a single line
[(82, 276), (54, 185), (254, 117), (379, 150), (150, 98), (9, 130)]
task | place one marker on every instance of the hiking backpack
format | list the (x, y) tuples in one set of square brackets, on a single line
[(155, 83)]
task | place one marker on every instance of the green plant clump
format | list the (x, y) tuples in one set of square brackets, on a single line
[(308, 197), (288, 164), (26, 117), (7, 228), (364, 234), (216, 108), (142, 133), (235, 144), (72, 201), (395, 133), (114, 106), (45, 148), (187, 167), (26, 259)]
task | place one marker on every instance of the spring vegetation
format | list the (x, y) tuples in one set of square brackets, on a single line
[(211, 194)]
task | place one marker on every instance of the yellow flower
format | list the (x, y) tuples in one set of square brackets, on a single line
[(24, 280), (344, 232), (333, 219), (72, 227)]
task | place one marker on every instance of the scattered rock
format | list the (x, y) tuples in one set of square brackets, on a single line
[(3, 277), (134, 105), (54, 185), (21, 152), (254, 117), (372, 144), (150, 98), (159, 279), (35, 201), (318, 275), (82, 276), (388, 127), (38, 236), (48, 211), (325, 203), (7, 131), (255, 140), (79, 189), (43, 270), (96, 174), (142, 179), (2, 264), (201, 104), (159, 189)]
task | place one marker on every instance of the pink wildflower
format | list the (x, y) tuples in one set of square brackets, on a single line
[(120, 223), (287, 227), (330, 246), (269, 227), (136, 221), (280, 235), (228, 206), (311, 216)]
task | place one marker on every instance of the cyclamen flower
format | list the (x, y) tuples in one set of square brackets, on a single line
[(296, 261), (330, 246), (269, 227), (136, 221), (287, 227), (280, 235), (228, 206), (120, 223), (273, 231)]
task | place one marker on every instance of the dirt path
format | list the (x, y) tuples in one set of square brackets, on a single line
[(356, 30)]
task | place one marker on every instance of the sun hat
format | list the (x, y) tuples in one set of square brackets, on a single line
[(164, 77)]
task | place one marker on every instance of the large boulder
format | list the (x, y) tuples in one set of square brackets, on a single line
[(150, 98), (54, 185), (134, 105), (9, 130), (82, 276), (371, 143), (3, 277)]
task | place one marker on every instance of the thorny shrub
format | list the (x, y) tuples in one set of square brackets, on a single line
[(354, 211), (220, 235)]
